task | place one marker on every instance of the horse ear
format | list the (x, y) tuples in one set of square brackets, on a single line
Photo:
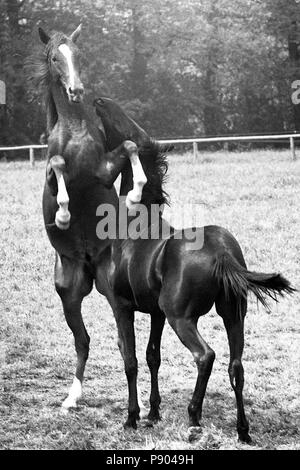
[(75, 35), (44, 36)]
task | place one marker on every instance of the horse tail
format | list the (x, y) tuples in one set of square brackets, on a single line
[(237, 281)]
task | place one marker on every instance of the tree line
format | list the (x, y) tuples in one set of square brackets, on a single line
[(181, 68)]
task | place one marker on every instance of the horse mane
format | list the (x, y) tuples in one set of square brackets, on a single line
[(38, 74), (155, 165)]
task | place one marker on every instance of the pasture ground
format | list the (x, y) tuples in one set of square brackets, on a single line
[(256, 195)]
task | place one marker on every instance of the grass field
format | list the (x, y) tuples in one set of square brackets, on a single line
[(256, 195)]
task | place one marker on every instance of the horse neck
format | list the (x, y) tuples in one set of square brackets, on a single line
[(69, 114), (152, 205)]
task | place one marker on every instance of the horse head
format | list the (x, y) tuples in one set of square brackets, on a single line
[(63, 58), (118, 125), (77, 153)]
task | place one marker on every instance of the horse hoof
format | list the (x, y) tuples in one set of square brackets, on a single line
[(245, 438), (154, 418), (132, 200), (194, 433), (147, 423), (68, 404), (62, 224), (130, 424), (143, 413)]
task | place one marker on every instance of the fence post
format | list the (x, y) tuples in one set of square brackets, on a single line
[(292, 146), (195, 150), (31, 156)]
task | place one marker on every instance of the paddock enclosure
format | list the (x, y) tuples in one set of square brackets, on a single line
[(256, 195)]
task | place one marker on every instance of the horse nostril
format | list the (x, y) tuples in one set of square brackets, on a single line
[(76, 91)]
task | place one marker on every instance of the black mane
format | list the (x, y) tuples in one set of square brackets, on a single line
[(155, 166)]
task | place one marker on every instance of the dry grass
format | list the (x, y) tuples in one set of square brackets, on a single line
[(256, 196)]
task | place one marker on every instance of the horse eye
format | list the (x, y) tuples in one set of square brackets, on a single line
[(54, 59)]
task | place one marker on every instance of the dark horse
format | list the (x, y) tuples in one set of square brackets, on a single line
[(79, 177), (162, 276), (168, 279)]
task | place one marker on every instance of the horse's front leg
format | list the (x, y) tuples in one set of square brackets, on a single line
[(126, 342), (153, 361), (115, 161), (56, 182)]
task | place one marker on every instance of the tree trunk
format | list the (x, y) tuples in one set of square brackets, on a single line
[(13, 7), (294, 55), (212, 109), (139, 62)]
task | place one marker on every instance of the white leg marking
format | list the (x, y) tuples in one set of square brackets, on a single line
[(143, 409), (139, 180), (63, 216), (74, 395)]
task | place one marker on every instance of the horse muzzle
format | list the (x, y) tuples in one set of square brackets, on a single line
[(75, 95)]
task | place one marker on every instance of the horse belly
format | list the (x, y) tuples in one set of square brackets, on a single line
[(81, 239), (144, 274), (146, 300)]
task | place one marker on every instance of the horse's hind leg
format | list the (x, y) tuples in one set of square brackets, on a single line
[(186, 330), (153, 361), (73, 283), (233, 319)]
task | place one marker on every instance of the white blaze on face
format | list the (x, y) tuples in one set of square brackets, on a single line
[(67, 53)]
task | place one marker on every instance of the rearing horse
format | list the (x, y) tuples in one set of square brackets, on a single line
[(79, 177)]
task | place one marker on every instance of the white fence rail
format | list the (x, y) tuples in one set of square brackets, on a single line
[(31, 149), (194, 141), (243, 138)]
